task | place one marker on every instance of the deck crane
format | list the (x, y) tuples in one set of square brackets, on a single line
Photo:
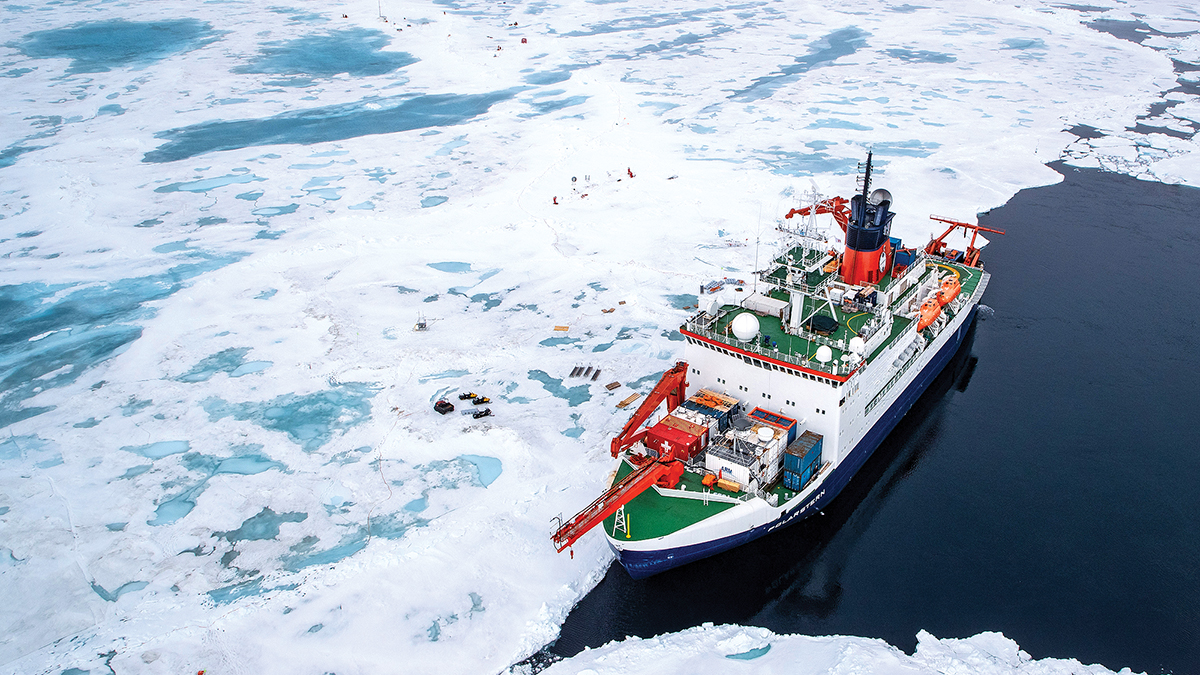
[(665, 471), (938, 247), (670, 388), (835, 205)]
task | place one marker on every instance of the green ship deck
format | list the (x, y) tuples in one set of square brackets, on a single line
[(651, 515)]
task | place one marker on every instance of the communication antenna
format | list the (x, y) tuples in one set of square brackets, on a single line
[(757, 238)]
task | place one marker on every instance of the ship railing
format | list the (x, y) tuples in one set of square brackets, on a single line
[(903, 339), (899, 301), (833, 368), (879, 332), (702, 321)]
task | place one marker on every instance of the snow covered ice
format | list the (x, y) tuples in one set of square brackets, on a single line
[(709, 648), (221, 222)]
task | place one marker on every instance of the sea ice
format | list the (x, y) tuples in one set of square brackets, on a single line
[(172, 208)]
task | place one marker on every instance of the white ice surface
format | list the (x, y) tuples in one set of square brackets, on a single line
[(962, 106), (738, 649)]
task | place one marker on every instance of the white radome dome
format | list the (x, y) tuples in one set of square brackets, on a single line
[(824, 354), (765, 435), (857, 344), (745, 326)]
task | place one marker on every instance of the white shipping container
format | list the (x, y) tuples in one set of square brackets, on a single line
[(727, 469)]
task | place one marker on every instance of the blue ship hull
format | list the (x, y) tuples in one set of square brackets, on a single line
[(642, 564)]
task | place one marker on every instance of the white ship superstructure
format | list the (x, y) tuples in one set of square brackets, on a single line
[(797, 377)]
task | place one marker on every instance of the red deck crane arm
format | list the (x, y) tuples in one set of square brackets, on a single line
[(938, 246), (671, 387), (632, 485), (835, 205)]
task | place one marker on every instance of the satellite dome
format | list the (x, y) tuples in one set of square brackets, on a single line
[(824, 354), (857, 344), (765, 434), (879, 196), (745, 326)]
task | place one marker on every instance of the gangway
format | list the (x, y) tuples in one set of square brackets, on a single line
[(666, 472)]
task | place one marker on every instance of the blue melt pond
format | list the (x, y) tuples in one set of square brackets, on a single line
[(309, 420), (158, 450), (489, 468), (47, 327), (356, 51), (825, 51), (751, 654), (182, 504), (228, 594), (225, 361), (251, 367), (122, 590), (210, 183), (573, 395), (682, 300), (269, 211), (99, 46), (324, 124), (434, 200), (452, 267), (262, 526)]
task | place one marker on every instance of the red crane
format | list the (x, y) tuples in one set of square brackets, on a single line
[(671, 388), (938, 247), (665, 471), (835, 205)]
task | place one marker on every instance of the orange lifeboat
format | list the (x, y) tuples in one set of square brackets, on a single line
[(949, 290), (930, 311), (831, 266)]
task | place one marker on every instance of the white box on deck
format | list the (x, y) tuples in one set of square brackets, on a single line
[(697, 417), (727, 469), (763, 304)]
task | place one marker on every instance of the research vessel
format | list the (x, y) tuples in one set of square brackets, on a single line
[(793, 383)]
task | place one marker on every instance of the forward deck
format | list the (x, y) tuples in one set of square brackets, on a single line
[(651, 515)]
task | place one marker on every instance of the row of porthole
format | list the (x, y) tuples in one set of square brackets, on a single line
[(764, 394)]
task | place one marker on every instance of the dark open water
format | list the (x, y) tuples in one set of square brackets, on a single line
[(1047, 486)]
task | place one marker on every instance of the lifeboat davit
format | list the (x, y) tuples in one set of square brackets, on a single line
[(930, 311), (949, 290)]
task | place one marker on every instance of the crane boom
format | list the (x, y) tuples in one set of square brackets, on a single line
[(625, 490), (671, 387), (938, 246), (835, 205)]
